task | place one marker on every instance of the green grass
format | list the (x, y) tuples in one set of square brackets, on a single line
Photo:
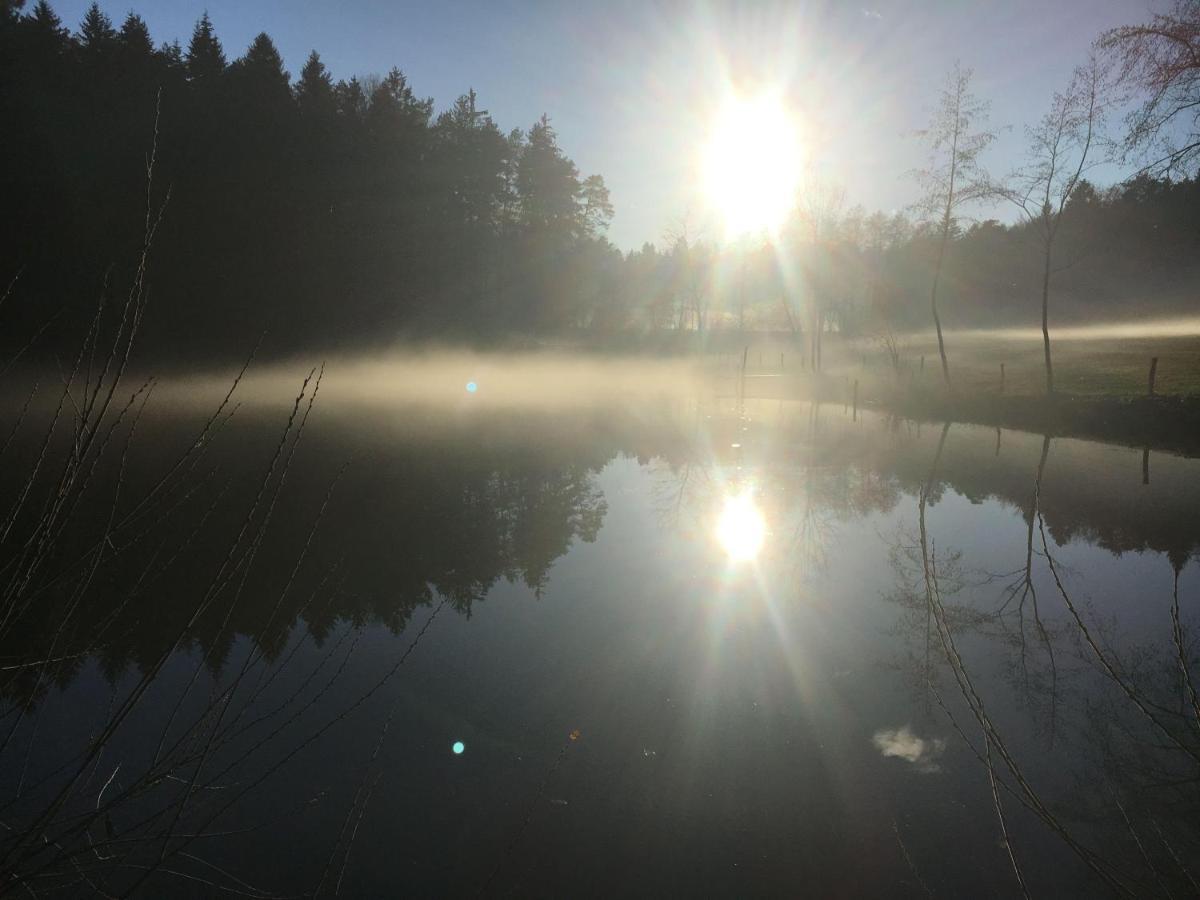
[(1099, 367)]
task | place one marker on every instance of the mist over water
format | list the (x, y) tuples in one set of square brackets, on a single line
[(457, 379)]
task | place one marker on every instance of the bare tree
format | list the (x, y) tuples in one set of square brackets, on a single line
[(691, 261), (954, 177), (1063, 145), (818, 218), (1161, 61), (892, 346)]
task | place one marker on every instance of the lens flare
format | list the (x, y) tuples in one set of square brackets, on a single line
[(752, 163), (741, 529)]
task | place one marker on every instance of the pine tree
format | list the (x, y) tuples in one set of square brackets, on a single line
[(547, 182), (171, 53), (48, 37), (314, 88), (263, 62), (394, 106), (351, 99), (134, 36), (96, 33), (260, 86), (205, 58)]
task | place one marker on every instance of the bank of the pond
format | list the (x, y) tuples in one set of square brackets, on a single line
[(1158, 422), (1163, 423)]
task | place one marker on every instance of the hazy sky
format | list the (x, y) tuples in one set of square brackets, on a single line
[(630, 86)]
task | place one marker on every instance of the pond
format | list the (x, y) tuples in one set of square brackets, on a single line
[(692, 646)]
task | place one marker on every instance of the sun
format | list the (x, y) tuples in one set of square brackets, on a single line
[(752, 163)]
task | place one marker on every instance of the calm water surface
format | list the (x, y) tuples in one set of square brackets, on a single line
[(711, 648)]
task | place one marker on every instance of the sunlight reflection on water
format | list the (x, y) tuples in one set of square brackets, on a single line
[(741, 529)]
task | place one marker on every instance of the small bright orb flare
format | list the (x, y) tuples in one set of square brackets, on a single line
[(752, 163), (741, 529)]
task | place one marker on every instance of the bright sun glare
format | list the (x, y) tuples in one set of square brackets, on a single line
[(752, 163), (741, 529)]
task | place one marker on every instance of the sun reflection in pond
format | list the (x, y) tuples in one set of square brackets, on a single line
[(741, 529)]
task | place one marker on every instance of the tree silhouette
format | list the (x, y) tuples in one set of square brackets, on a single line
[(134, 37), (1160, 61), (96, 34), (954, 177), (348, 213), (205, 57), (1062, 146), (314, 89)]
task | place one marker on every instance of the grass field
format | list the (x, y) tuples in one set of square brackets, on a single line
[(1100, 383), (1094, 367), (1083, 367)]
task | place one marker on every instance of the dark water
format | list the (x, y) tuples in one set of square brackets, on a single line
[(948, 636)]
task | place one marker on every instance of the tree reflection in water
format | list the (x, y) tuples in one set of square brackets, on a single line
[(1127, 806), (253, 601)]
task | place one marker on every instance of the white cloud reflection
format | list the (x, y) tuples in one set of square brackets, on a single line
[(923, 753)]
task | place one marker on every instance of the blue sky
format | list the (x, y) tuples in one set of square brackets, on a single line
[(630, 86)]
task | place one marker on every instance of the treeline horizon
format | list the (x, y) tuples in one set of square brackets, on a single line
[(333, 214), (315, 211)]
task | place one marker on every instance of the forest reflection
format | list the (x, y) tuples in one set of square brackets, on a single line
[(434, 507), (1021, 606)]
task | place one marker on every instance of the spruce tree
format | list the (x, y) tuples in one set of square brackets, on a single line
[(205, 58), (96, 32), (134, 36), (314, 87)]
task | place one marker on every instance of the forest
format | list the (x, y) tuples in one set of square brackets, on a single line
[(351, 213)]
